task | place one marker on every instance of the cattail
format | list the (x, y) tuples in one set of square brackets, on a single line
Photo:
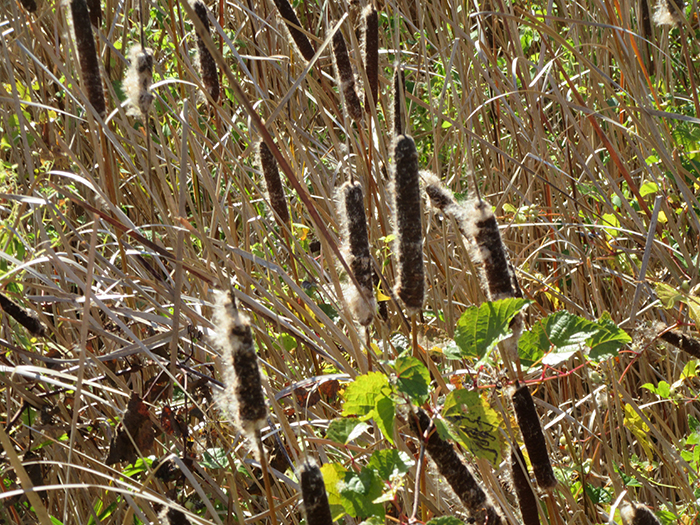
[(399, 93), (636, 514), (370, 54), (207, 65), (521, 482), (444, 200), (291, 22), (29, 5), (409, 232), (24, 317), (531, 429), (313, 491), (352, 211), (680, 340), (268, 165), (95, 12), (87, 55), (346, 78), (669, 13), (243, 396), (456, 473), (170, 516), (138, 80)]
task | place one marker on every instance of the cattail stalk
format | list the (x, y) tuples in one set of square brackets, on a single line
[(681, 341), (521, 482), (313, 492), (410, 285), (273, 183), (138, 80), (398, 96), (24, 317), (636, 514), (207, 64), (370, 54), (87, 55), (456, 473), (354, 225), (531, 429), (292, 24), (346, 77)]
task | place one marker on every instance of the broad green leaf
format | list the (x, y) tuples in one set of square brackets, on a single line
[(668, 295), (384, 417), (374, 520), (361, 395), (663, 389), (639, 428), (474, 424), (214, 458), (608, 340), (389, 462), (412, 378), (480, 328), (359, 491), (690, 369), (693, 309), (648, 188), (445, 520), (333, 478), (346, 429)]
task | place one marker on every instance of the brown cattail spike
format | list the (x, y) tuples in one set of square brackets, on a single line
[(207, 65), (679, 340), (243, 396), (170, 516), (139, 78), (456, 473), (24, 317), (352, 211), (370, 54), (29, 5), (346, 78), (521, 482), (636, 514), (313, 492), (399, 93), (292, 24), (409, 231), (95, 9), (669, 13), (442, 198), (87, 55), (268, 165), (531, 429)]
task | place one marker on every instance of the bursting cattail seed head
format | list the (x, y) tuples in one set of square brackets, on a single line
[(637, 514), (291, 22), (398, 95), (87, 55), (444, 200), (207, 64), (243, 395), (354, 225), (346, 78), (370, 54), (24, 317), (273, 183), (410, 285), (527, 501), (138, 80), (531, 430), (669, 13), (313, 492), (455, 472)]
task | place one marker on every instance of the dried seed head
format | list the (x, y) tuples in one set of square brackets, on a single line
[(637, 514), (370, 54), (346, 78), (26, 318), (410, 285), (29, 5), (521, 482), (95, 12), (443, 199), (669, 13), (87, 55), (291, 22), (679, 340), (456, 473), (354, 225), (531, 429), (243, 396), (207, 64), (138, 80), (398, 95), (313, 492), (170, 516), (268, 165)]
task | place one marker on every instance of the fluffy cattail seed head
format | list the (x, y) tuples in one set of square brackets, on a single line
[(139, 78), (273, 183), (354, 223), (87, 55), (207, 64), (527, 501), (409, 231), (370, 54), (398, 95), (243, 395), (170, 516), (346, 78), (669, 13), (444, 200), (637, 514), (291, 22), (313, 492)]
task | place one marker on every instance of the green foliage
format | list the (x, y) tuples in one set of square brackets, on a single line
[(412, 379), (445, 520), (345, 430), (369, 396), (390, 462)]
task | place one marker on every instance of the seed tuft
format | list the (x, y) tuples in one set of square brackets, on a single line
[(138, 80), (669, 13), (637, 514)]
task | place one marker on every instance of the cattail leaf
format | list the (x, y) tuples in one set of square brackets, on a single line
[(445, 520), (359, 492), (363, 394), (333, 479), (390, 462), (412, 379), (344, 430), (480, 328), (473, 423)]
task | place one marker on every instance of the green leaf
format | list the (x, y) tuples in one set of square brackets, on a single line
[(389, 462), (361, 395), (481, 328), (648, 188), (345, 430), (445, 520), (333, 478), (214, 458), (384, 417), (608, 340), (663, 389), (668, 295), (474, 424), (374, 520), (359, 491), (412, 378)]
